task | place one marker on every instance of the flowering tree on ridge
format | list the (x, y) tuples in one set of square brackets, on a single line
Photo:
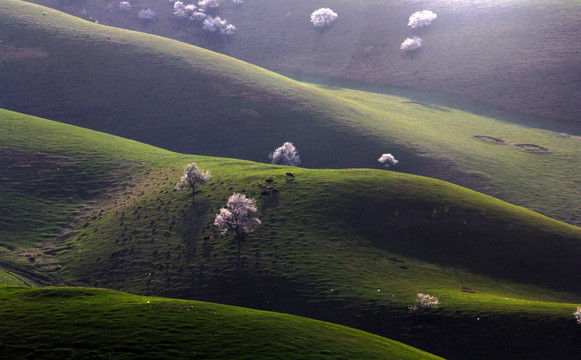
[(285, 155)]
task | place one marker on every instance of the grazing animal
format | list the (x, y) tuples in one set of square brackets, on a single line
[(265, 193), (289, 174), (272, 190), (269, 180)]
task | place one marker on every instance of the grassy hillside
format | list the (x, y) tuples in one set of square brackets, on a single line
[(59, 323), (499, 56), (190, 100), (348, 246)]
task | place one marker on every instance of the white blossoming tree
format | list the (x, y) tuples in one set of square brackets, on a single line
[(213, 24), (285, 155), (422, 18), (125, 5), (238, 217), (182, 10), (192, 178), (577, 315), (323, 17), (411, 44), (424, 302), (387, 160), (146, 14), (208, 4)]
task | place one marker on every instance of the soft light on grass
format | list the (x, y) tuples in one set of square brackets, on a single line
[(331, 128), (51, 323)]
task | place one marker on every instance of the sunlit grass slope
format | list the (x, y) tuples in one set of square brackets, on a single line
[(187, 99), (62, 323), (348, 246), (492, 55), (7, 278)]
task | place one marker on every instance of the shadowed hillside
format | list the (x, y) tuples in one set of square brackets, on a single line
[(62, 323), (190, 100), (349, 246), (518, 59)]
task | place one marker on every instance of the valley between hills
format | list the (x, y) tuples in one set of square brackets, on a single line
[(102, 257)]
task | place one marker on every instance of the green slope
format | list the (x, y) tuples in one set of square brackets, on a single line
[(190, 100), (348, 246), (59, 323), (489, 55)]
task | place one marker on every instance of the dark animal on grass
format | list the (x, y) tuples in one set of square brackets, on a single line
[(289, 174), (269, 180), (265, 193), (272, 190)]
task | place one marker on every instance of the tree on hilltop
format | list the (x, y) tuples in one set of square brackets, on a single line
[(285, 155)]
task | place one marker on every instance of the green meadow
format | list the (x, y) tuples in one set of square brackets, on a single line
[(349, 246), (187, 99), (480, 212)]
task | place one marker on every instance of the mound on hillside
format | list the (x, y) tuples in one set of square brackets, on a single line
[(190, 100), (347, 246), (497, 57), (57, 323)]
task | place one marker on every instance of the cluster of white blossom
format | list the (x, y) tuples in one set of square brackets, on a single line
[(417, 20), (411, 44), (237, 1), (422, 18), (423, 303), (208, 4), (199, 14), (323, 17), (214, 24), (182, 10), (387, 160), (285, 155), (146, 14), (578, 315), (125, 5), (193, 177), (238, 216)]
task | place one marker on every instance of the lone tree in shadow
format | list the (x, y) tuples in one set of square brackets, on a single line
[(193, 177), (238, 218)]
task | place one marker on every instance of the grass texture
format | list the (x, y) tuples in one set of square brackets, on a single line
[(63, 323), (348, 246), (70, 70)]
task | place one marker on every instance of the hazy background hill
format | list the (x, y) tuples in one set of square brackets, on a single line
[(519, 59)]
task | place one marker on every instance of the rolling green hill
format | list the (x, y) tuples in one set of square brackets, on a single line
[(348, 246), (501, 56), (62, 323), (187, 99)]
